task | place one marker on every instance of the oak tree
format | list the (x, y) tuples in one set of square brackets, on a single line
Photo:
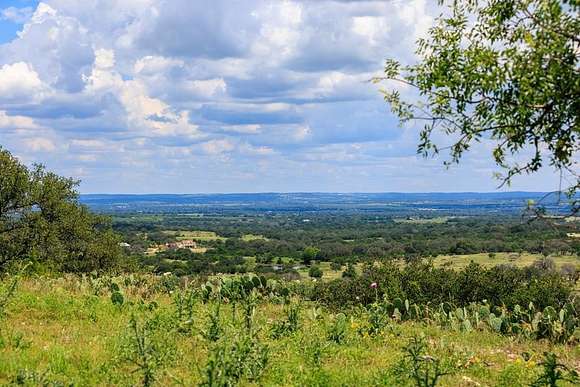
[(505, 71)]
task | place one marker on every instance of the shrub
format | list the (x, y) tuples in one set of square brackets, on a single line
[(424, 284), (335, 266), (315, 271), (349, 272)]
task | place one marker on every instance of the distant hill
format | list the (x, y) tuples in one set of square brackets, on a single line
[(463, 203)]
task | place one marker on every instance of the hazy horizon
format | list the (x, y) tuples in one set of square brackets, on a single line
[(318, 192)]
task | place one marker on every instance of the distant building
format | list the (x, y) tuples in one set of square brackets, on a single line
[(124, 244), (184, 244)]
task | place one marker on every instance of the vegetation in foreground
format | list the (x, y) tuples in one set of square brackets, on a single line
[(161, 330)]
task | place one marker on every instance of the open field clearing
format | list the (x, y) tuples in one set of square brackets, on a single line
[(195, 235), (158, 249), (462, 261), (516, 259), (86, 332), (433, 220), (252, 237)]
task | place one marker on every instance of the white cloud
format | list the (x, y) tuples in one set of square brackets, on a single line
[(88, 144), (16, 15), (39, 144), (216, 147), (146, 115), (16, 122), (19, 82)]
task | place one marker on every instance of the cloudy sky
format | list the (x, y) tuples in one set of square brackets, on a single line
[(150, 96)]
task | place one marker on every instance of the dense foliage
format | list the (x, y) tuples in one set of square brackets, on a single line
[(342, 239), (42, 222), (424, 284), (499, 70)]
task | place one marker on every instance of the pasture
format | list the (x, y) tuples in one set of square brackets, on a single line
[(196, 235)]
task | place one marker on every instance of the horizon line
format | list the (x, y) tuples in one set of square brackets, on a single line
[(323, 192)]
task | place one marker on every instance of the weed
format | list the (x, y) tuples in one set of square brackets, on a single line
[(214, 328), (145, 351), (229, 362), (553, 372), (425, 370), (337, 330), (25, 377), (184, 302), (290, 324)]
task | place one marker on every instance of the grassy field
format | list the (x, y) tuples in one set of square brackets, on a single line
[(516, 259), (68, 331), (461, 261), (252, 237), (161, 248), (195, 235), (434, 220)]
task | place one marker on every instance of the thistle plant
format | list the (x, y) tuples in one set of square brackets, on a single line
[(337, 330), (249, 307), (229, 362), (314, 351), (184, 303), (290, 324), (425, 370), (7, 295), (144, 350), (554, 372), (214, 328)]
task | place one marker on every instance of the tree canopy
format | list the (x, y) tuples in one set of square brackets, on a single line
[(41, 221), (505, 71)]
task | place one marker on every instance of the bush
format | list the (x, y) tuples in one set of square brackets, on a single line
[(424, 284), (315, 271), (349, 272)]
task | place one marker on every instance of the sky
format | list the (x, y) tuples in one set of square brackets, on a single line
[(180, 96)]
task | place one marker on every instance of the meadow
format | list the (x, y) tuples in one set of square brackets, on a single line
[(246, 330)]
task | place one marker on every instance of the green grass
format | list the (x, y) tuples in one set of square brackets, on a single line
[(196, 235), (461, 261), (434, 220), (57, 330), (517, 259), (327, 273)]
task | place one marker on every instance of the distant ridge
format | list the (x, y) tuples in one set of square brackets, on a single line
[(459, 203)]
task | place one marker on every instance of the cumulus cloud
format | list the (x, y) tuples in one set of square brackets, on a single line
[(257, 94), (19, 82), (16, 122)]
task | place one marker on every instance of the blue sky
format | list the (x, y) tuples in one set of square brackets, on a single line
[(176, 96)]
